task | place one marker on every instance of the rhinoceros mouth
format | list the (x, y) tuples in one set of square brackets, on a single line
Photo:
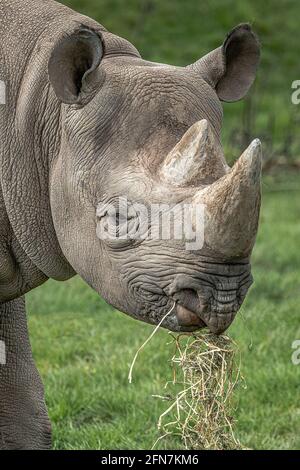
[(216, 322), (187, 318), (183, 319)]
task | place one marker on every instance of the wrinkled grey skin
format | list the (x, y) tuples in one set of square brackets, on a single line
[(87, 120)]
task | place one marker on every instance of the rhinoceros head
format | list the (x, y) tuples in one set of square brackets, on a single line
[(140, 146)]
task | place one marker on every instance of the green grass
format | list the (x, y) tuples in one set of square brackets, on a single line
[(84, 348)]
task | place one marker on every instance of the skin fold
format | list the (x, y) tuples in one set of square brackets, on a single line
[(88, 121)]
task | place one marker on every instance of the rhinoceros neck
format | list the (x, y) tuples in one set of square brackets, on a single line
[(30, 125)]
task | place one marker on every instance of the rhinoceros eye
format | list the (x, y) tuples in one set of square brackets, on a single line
[(117, 225)]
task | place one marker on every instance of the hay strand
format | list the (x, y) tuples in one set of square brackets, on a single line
[(147, 341), (207, 372)]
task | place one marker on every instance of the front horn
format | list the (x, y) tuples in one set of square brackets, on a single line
[(232, 206)]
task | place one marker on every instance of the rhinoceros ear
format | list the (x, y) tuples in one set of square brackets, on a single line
[(72, 63), (231, 68)]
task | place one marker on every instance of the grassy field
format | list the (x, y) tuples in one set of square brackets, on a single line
[(84, 349)]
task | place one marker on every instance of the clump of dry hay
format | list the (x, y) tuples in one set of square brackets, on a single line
[(207, 371)]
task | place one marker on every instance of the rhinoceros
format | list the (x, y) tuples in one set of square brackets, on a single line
[(85, 121)]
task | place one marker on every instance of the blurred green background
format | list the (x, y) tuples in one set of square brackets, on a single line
[(84, 348)]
